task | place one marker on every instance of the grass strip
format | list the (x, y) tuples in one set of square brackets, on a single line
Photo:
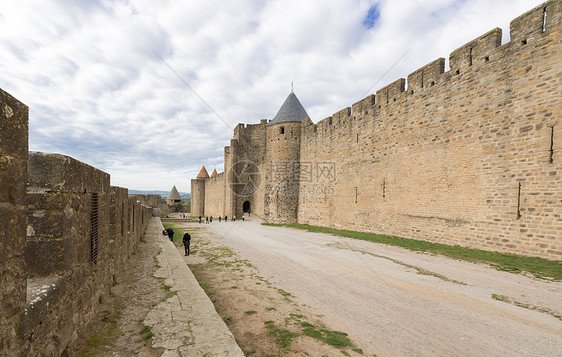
[(509, 300), (538, 267)]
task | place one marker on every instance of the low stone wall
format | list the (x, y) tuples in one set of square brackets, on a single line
[(80, 234), (66, 236)]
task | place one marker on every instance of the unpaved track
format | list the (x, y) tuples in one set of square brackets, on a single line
[(388, 308)]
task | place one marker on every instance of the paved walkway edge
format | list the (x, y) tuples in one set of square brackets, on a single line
[(186, 323)]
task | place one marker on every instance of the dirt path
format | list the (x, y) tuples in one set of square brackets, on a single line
[(391, 302), (118, 329), (285, 292)]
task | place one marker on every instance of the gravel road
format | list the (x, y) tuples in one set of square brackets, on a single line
[(394, 302)]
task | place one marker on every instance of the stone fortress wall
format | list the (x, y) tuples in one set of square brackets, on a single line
[(66, 235), (470, 156)]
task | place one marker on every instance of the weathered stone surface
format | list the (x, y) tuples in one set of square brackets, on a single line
[(12, 294), (13, 168), (62, 173), (12, 234), (13, 130), (13, 173)]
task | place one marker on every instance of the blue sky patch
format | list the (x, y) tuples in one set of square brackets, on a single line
[(372, 16)]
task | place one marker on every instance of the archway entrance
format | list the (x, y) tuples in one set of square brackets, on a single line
[(246, 206)]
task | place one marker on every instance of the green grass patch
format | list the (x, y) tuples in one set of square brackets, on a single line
[(538, 267), (251, 312), (284, 293), (146, 333), (283, 336), (107, 333), (544, 310)]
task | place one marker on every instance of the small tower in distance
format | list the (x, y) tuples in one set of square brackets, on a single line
[(174, 197)]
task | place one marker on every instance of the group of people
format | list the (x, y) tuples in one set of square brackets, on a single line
[(186, 239), (210, 219)]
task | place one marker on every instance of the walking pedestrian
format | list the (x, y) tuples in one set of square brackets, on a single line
[(186, 242), (226, 218), (220, 218), (207, 220), (199, 219)]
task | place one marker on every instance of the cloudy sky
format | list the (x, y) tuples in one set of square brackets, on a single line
[(149, 91)]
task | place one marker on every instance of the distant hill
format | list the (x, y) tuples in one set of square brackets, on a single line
[(186, 195)]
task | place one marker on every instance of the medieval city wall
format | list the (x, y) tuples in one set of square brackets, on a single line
[(69, 234), (215, 195), (470, 156)]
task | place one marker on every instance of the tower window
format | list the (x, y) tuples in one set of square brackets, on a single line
[(282, 130)]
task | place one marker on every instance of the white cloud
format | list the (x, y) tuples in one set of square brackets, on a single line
[(98, 92)]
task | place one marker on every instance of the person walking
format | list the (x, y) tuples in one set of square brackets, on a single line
[(170, 234), (211, 219), (226, 218), (186, 242), (199, 219), (207, 220), (220, 218)]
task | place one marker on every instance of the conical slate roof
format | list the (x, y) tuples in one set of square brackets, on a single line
[(203, 173), (291, 110), (174, 194), (215, 173)]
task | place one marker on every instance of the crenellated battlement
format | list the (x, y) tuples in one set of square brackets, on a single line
[(432, 79)]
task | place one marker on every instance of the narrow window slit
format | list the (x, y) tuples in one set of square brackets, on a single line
[(470, 57), (551, 159), (355, 194), (519, 201), (544, 19), (94, 227), (383, 188)]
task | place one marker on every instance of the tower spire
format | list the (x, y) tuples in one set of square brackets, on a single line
[(292, 87)]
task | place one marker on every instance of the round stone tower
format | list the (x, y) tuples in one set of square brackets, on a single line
[(198, 193), (283, 162)]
